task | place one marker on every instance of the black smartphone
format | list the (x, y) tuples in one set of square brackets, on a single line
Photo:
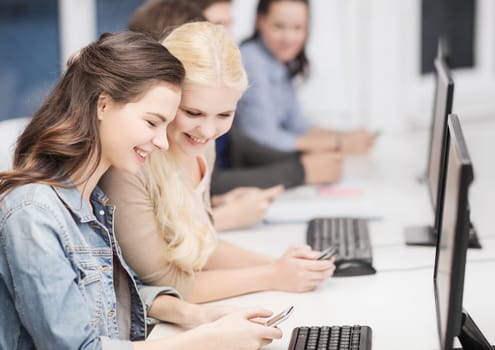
[(327, 253), (279, 318)]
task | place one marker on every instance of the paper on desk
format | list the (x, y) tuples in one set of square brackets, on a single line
[(342, 189)]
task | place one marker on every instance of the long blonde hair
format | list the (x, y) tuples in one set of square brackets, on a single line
[(210, 56)]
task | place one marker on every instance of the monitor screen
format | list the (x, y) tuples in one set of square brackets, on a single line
[(442, 107), (453, 237), (435, 167)]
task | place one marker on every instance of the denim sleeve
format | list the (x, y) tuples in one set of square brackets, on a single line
[(43, 283), (149, 293)]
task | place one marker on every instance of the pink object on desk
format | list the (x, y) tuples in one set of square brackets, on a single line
[(333, 190)]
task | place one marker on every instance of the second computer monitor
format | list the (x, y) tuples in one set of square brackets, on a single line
[(453, 237), (444, 94), (442, 107), (450, 259)]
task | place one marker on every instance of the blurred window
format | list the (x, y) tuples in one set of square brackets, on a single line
[(29, 55)]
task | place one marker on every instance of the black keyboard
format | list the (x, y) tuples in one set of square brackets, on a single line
[(351, 238), (331, 338)]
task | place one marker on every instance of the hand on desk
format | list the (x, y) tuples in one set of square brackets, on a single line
[(240, 330), (219, 327), (356, 142), (204, 313), (299, 271), (322, 167), (243, 206)]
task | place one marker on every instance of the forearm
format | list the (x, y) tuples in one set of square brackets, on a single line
[(230, 256), (223, 218), (322, 131), (289, 173), (189, 340), (221, 284), (171, 309), (318, 140), (217, 199)]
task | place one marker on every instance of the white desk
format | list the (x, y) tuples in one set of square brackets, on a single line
[(398, 302)]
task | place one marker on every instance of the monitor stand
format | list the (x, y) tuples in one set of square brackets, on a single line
[(421, 178), (425, 236), (471, 337)]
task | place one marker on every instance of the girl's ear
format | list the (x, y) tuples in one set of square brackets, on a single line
[(103, 102)]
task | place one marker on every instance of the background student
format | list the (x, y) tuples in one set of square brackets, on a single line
[(162, 223), (216, 11), (242, 161), (269, 111), (235, 208), (63, 281), (154, 17)]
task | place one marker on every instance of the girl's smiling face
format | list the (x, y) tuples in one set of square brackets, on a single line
[(205, 113), (130, 131), (284, 29)]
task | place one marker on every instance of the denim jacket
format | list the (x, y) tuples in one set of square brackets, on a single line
[(56, 273)]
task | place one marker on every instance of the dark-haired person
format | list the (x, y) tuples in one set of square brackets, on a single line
[(63, 281), (269, 111), (155, 17), (235, 207), (216, 11), (242, 163)]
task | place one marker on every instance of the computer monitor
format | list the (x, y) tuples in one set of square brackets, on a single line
[(442, 107), (450, 258), (444, 95)]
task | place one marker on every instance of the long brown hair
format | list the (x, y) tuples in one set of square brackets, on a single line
[(63, 135)]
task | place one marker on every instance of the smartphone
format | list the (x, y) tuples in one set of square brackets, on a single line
[(327, 253), (279, 318)]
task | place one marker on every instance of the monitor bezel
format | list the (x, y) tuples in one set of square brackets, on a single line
[(444, 77), (427, 235), (455, 146)]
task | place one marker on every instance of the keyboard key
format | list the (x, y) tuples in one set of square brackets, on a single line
[(331, 338)]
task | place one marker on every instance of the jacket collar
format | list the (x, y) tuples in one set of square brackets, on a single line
[(73, 200)]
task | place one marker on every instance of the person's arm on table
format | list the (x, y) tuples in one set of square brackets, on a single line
[(297, 270), (288, 173), (242, 207), (235, 331)]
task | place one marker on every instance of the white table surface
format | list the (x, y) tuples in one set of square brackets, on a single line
[(398, 302)]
